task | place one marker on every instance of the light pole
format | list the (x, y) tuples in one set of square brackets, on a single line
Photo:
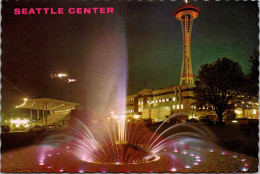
[(68, 80), (70, 85), (59, 76)]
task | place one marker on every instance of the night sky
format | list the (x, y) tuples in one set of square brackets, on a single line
[(34, 46)]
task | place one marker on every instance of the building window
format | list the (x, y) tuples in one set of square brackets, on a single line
[(159, 101), (163, 100), (156, 101), (167, 99), (173, 106), (173, 99), (178, 106), (181, 106)]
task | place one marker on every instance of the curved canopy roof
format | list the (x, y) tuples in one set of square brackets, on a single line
[(47, 104)]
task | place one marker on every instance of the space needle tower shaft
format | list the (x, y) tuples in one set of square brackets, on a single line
[(186, 14)]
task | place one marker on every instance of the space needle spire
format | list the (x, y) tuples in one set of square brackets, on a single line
[(186, 14)]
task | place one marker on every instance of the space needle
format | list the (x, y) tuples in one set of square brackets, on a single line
[(186, 14)]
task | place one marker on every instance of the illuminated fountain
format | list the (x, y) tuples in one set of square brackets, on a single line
[(136, 145)]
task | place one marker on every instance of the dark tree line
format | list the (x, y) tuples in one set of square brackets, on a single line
[(252, 77), (222, 84)]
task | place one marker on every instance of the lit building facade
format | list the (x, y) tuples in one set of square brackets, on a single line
[(178, 100), (158, 104)]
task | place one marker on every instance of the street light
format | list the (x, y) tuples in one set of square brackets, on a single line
[(71, 80), (60, 75), (70, 86), (68, 80)]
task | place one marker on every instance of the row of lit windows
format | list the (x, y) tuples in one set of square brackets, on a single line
[(129, 111), (177, 106), (164, 100), (140, 109), (131, 99), (173, 107), (159, 101), (193, 107)]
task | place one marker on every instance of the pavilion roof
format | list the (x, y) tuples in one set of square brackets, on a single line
[(47, 104)]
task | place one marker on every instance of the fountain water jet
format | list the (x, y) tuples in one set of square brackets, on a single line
[(140, 145)]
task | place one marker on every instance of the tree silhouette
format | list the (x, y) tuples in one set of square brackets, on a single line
[(252, 90), (249, 99), (220, 83)]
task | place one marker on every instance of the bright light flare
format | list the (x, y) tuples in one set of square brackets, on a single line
[(41, 163), (238, 111), (18, 122), (244, 169), (136, 116), (71, 80), (60, 75), (173, 169), (81, 171)]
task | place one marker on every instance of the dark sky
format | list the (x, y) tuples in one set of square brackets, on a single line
[(34, 46)]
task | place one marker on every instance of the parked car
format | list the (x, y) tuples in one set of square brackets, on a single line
[(5, 128)]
